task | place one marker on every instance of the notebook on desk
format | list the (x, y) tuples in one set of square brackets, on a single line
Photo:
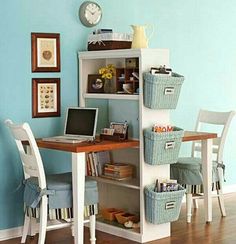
[(80, 126)]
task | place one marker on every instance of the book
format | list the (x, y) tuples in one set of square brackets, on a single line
[(116, 178), (91, 164), (102, 159), (118, 166)]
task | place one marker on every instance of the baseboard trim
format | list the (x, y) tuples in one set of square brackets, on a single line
[(229, 189), (10, 233), (17, 232)]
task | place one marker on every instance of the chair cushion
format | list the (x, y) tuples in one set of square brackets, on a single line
[(187, 171), (59, 191)]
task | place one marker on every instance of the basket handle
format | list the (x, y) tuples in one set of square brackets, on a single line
[(169, 145), (169, 90), (170, 205)]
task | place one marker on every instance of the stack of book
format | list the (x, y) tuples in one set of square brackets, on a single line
[(118, 171)]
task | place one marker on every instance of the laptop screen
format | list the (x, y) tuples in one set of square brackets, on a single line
[(81, 122)]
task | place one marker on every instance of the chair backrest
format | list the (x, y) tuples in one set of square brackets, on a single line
[(219, 119), (29, 152)]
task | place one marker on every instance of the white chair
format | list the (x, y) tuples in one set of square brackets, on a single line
[(33, 169), (187, 171)]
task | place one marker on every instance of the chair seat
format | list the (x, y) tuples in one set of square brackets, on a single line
[(188, 171), (59, 191)]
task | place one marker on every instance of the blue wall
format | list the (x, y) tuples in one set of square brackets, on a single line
[(199, 33)]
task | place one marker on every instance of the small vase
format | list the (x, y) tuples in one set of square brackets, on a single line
[(109, 86)]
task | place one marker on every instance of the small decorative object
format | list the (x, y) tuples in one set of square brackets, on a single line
[(131, 63), (139, 37), (108, 73), (109, 213), (161, 70), (45, 97), (45, 52), (108, 131), (90, 13), (109, 41), (162, 128), (124, 217), (118, 132), (128, 88), (120, 128), (95, 84)]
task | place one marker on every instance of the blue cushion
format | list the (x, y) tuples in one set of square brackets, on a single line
[(59, 191), (188, 171)]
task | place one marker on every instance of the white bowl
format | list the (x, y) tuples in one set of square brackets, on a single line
[(128, 87)]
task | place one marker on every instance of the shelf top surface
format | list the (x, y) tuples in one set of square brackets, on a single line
[(111, 96), (116, 53)]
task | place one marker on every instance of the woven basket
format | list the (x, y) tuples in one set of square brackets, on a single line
[(162, 207), (162, 92), (162, 147)]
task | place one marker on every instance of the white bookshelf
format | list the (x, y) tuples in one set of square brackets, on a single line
[(132, 183), (128, 194), (111, 96)]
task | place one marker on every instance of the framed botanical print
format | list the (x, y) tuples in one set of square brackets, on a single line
[(45, 52), (46, 97)]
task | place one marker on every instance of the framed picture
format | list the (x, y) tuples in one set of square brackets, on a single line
[(119, 127), (95, 84), (45, 52), (46, 97)]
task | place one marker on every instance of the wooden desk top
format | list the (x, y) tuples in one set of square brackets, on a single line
[(112, 145), (197, 136), (87, 146)]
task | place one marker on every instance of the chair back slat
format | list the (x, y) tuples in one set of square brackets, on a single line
[(222, 119), (212, 117), (29, 164), (30, 156)]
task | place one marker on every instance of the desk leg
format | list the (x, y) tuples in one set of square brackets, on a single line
[(207, 177), (78, 176)]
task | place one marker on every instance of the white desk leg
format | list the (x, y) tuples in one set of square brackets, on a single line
[(207, 177), (78, 176)]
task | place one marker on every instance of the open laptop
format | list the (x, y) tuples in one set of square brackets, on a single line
[(80, 125)]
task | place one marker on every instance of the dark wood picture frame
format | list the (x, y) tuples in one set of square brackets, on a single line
[(46, 100), (45, 52), (95, 84)]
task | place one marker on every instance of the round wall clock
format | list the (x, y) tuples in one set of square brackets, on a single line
[(90, 13)]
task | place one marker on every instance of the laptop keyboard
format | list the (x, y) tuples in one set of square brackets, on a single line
[(65, 139)]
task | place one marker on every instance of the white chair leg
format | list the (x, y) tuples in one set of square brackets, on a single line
[(32, 229), (72, 229), (220, 193), (189, 207), (195, 203), (25, 228), (43, 220), (92, 224)]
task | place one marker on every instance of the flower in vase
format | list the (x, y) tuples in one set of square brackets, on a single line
[(108, 71)]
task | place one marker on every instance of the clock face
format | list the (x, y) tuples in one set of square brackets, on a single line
[(90, 13)]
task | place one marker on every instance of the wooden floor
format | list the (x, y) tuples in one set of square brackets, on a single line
[(220, 231)]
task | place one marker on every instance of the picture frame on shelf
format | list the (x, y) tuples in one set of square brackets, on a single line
[(119, 127), (95, 83), (46, 97), (45, 52)]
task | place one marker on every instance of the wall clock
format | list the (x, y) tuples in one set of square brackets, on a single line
[(90, 13)]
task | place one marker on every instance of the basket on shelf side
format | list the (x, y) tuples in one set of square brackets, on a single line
[(162, 92), (162, 147), (162, 207)]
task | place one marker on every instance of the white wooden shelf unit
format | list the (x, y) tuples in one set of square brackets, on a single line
[(127, 195)]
